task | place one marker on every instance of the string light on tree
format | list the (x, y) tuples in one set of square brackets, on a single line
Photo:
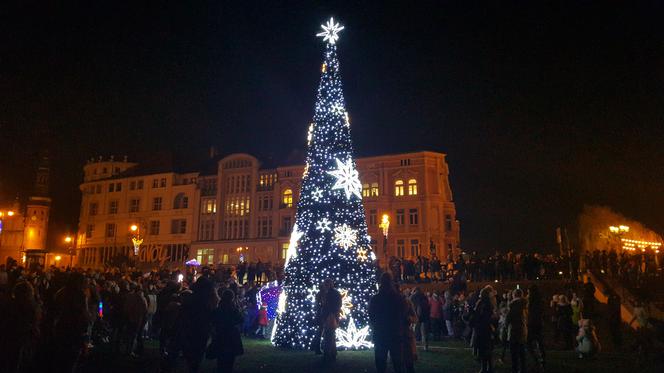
[(330, 229)]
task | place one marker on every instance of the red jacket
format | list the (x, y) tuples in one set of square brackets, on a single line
[(262, 317)]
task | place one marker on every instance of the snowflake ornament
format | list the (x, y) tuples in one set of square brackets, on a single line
[(345, 236), (311, 294), (323, 225), (338, 109), (353, 337), (362, 254), (330, 31), (317, 194), (348, 179)]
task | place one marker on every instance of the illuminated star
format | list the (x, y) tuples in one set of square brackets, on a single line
[(353, 337), (323, 225), (292, 245), (330, 31), (317, 194), (345, 236), (347, 179)]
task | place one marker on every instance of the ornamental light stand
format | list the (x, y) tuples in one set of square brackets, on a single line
[(385, 226), (71, 244), (136, 238)]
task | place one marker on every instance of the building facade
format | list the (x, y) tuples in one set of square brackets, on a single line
[(241, 210)]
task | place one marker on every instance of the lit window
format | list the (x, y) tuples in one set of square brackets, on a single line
[(374, 189), (398, 188), (288, 198), (412, 187), (210, 206), (284, 250), (365, 190)]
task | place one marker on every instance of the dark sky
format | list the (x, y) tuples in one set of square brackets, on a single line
[(540, 107)]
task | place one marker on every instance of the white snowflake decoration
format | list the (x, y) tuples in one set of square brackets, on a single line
[(292, 245), (345, 236), (362, 254), (317, 194), (353, 337), (348, 178), (338, 109), (323, 225), (346, 303), (311, 293), (330, 31)]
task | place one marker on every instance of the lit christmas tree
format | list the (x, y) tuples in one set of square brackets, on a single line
[(329, 238)]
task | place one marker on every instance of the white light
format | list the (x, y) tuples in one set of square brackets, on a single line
[(372, 256), (345, 236), (317, 194), (310, 133), (281, 304), (338, 109), (330, 31), (346, 303), (292, 245), (353, 337), (311, 294), (323, 225), (348, 178)]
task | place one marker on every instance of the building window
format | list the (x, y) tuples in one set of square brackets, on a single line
[(400, 217), (405, 162), (398, 188), (412, 187), (414, 248), (284, 250), (372, 217), (155, 183), (365, 190), (132, 185), (156, 204), (374, 190), (118, 187), (181, 201), (111, 188), (139, 185), (286, 226), (207, 230), (154, 227), (134, 204), (401, 248), (113, 207), (288, 198), (205, 256), (178, 226), (94, 208), (110, 230), (412, 217), (89, 230), (448, 223), (162, 183), (210, 207)]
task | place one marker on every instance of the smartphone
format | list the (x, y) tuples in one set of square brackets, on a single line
[(180, 277)]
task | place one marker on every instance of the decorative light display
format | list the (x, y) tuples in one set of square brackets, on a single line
[(632, 245), (347, 179), (345, 236), (269, 294), (329, 236), (346, 303), (352, 337), (136, 241)]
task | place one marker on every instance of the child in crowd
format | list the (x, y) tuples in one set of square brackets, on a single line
[(262, 321), (588, 344)]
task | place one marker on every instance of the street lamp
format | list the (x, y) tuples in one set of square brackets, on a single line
[(70, 249), (385, 226), (136, 239)]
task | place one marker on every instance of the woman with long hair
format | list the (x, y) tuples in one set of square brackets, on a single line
[(483, 322)]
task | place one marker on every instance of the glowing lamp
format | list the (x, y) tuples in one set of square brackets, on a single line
[(58, 258)]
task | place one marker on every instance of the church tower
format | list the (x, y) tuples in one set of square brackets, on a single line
[(38, 209)]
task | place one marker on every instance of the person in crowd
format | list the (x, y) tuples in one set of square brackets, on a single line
[(577, 307), (196, 318), (588, 343), (70, 323), (226, 341), (387, 314), (262, 321), (135, 309), (588, 300), (483, 322), (151, 298), (503, 336), (20, 328), (565, 325), (330, 311), (320, 297), (535, 325), (422, 311), (517, 330), (448, 312), (408, 342), (436, 315), (615, 318)]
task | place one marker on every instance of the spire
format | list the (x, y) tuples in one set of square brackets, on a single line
[(42, 176)]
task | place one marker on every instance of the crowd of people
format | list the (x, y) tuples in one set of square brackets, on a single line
[(634, 269)]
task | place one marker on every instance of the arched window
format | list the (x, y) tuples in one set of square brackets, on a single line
[(412, 187), (398, 188), (287, 197), (181, 201), (374, 189), (365, 190)]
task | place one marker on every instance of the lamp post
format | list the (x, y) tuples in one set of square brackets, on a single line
[(136, 238), (385, 226), (70, 249)]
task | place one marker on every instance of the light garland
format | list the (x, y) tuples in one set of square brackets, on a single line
[(329, 238)]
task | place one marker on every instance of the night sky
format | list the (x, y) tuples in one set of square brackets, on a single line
[(541, 108)]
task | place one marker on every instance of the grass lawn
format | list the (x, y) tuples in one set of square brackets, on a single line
[(261, 356)]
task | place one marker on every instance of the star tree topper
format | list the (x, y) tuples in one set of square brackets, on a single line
[(348, 178), (330, 31)]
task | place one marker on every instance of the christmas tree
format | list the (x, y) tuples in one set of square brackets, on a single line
[(329, 238)]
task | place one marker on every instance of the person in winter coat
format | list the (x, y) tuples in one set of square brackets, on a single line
[(422, 310), (436, 315), (565, 325), (517, 330), (135, 309), (195, 321), (226, 342), (70, 322), (386, 314), (330, 312), (588, 343), (483, 322), (262, 321)]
